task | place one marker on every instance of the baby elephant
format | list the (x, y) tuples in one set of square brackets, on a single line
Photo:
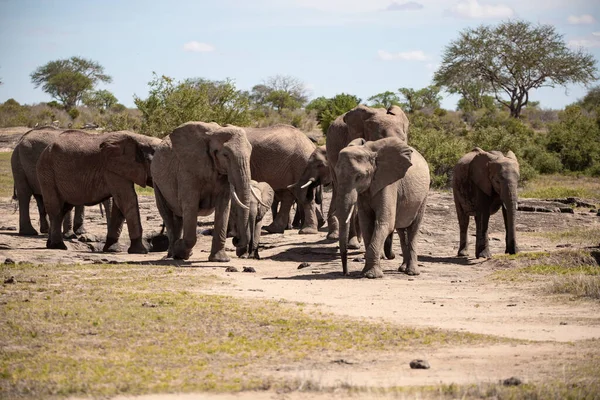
[(482, 183), (258, 209)]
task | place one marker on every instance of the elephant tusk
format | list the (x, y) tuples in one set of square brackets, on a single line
[(293, 185), (307, 184), (258, 198), (237, 199), (350, 214)]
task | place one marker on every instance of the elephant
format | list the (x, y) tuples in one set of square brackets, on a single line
[(23, 163), (482, 182), (280, 154), (80, 168), (361, 122), (388, 181), (197, 170), (258, 209)]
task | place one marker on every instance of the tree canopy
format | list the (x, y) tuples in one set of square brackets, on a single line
[(512, 58), (329, 109), (280, 92), (415, 100), (100, 99), (385, 99), (67, 80)]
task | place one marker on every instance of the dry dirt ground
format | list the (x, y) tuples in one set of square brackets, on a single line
[(451, 293)]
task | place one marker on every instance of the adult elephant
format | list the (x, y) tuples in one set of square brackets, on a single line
[(482, 183), (280, 154), (361, 122), (196, 170), (389, 183), (23, 164), (79, 169)]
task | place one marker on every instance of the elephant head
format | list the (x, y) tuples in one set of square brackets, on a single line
[(316, 173), (212, 152), (376, 123), (495, 173), (365, 170), (129, 155)]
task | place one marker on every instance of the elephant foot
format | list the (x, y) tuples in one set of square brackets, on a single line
[(256, 256), (44, 227), (333, 235), (80, 231), (69, 235), (484, 254), (241, 252), (109, 243), (137, 247), (56, 245), (511, 249), (372, 273), (320, 222), (180, 250), (219, 256), (409, 268), (307, 230), (463, 253), (274, 229), (353, 243), (390, 255), (28, 231)]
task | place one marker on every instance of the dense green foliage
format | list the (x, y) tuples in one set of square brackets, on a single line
[(67, 80), (510, 59), (170, 104), (329, 109)]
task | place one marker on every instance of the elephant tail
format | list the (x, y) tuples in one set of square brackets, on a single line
[(14, 197)]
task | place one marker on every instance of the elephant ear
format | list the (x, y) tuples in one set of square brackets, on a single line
[(355, 120), (267, 195), (357, 142), (479, 170), (511, 155), (190, 144), (125, 158), (391, 163)]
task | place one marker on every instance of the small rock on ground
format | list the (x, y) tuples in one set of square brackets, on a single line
[(248, 269), (9, 280), (512, 381), (419, 364), (231, 269), (304, 265), (9, 261)]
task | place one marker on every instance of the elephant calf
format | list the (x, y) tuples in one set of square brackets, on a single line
[(483, 182), (259, 204), (79, 169)]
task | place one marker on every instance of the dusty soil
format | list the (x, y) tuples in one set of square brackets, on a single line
[(451, 293)]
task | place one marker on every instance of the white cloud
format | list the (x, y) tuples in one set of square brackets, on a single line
[(409, 6), (472, 9), (198, 47), (593, 41), (596, 33), (416, 55), (581, 19)]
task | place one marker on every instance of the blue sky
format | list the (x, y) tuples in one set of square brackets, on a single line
[(361, 47)]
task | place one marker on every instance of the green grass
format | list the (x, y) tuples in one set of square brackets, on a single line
[(103, 330), (141, 191), (575, 273), (582, 236), (6, 178), (562, 186)]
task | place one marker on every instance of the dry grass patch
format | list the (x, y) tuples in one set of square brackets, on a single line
[(6, 178), (562, 186), (102, 330), (575, 273), (578, 235)]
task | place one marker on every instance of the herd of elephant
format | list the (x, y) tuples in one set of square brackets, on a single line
[(379, 184)]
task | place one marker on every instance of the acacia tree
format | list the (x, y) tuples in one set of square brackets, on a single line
[(67, 80), (280, 92), (385, 99), (329, 109), (100, 99), (513, 58), (415, 100)]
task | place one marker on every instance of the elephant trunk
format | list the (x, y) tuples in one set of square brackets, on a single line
[(509, 202), (239, 178), (346, 201)]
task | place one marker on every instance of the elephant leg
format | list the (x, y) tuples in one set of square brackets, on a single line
[(78, 220), (388, 247), (463, 225), (127, 202), (222, 208), (510, 240), (298, 220), (44, 223), (333, 226), (55, 237), (309, 225), (107, 209), (320, 216), (404, 247), (25, 226), (482, 248), (114, 227), (173, 224), (409, 249), (67, 224), (275, 207), (372, 269), (283, 216)]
